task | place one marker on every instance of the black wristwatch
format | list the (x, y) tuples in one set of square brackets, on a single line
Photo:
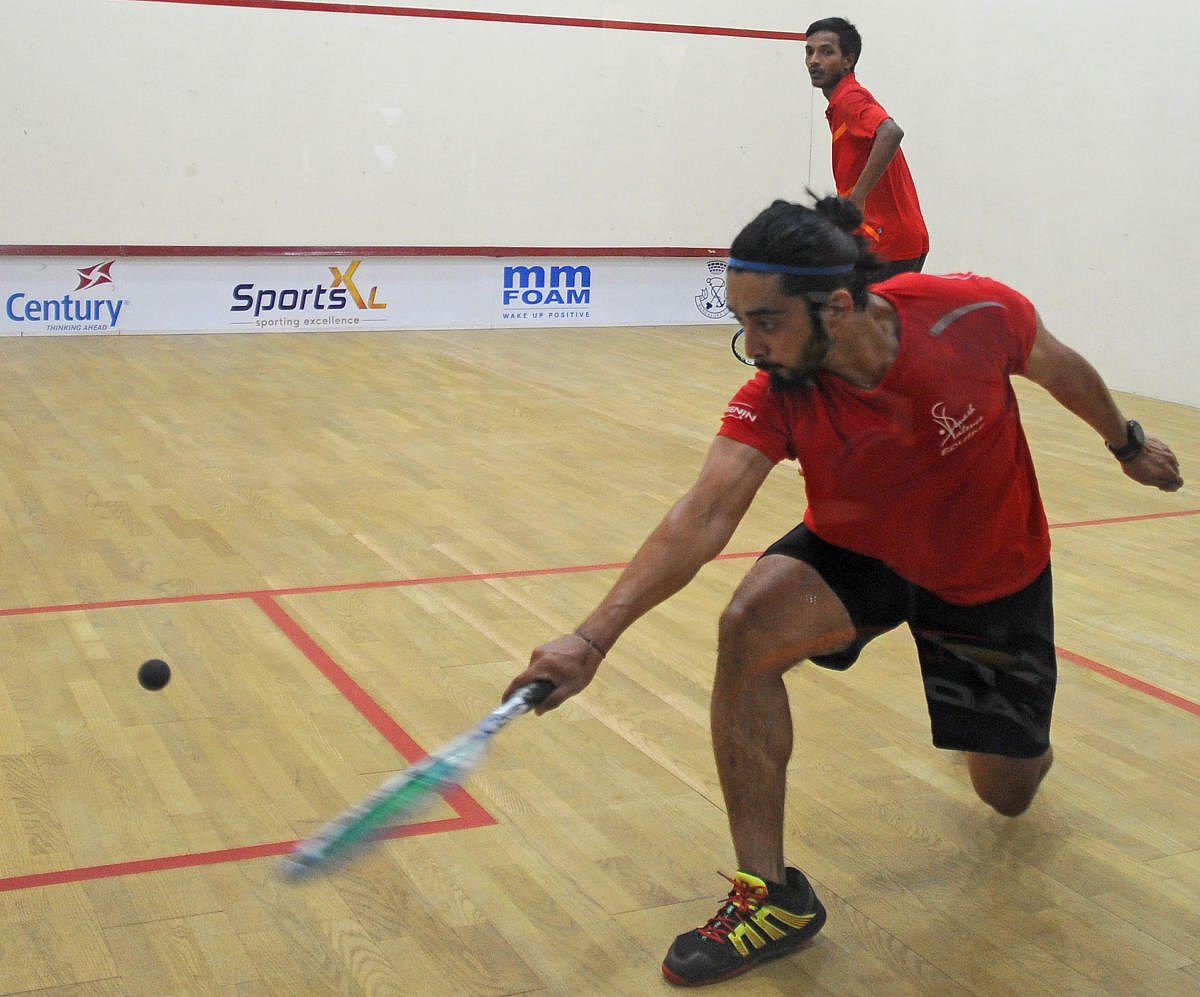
[(1135, 439)]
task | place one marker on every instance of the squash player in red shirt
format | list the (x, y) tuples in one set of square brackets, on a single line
[(869, 167), (923, 509)]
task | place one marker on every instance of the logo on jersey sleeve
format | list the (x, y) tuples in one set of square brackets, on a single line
[(741, 413)]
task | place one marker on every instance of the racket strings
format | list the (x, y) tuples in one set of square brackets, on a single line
[(738, 345)]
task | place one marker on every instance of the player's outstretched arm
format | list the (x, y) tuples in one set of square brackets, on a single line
[(883, 150), (1078, 387), (692, 533)]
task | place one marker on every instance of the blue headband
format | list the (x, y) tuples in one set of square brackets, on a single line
[(795, 271)]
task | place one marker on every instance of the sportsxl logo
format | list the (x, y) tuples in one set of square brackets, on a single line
[(336, 296)]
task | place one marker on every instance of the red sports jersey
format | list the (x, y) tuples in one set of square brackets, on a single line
[(892, 220), (929, 471)]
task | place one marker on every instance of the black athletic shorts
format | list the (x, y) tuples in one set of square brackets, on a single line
[(989, 670), (889, 270)]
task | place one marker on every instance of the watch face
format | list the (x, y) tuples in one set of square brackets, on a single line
[(1135, 439)]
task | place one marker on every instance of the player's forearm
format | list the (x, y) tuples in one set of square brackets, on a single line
[(685, 540), (883, 151), (1080, 389)]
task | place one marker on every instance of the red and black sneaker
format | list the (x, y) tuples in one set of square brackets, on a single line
[(758, 921)]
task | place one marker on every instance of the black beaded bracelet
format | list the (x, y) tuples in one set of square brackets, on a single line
[(592, 644)]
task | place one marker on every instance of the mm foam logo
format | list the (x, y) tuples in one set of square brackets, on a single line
[(554, 292), (72, 312), (294, 307)]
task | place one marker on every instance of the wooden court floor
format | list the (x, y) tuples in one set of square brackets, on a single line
[(346, 544)]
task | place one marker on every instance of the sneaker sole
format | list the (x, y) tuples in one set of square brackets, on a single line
[(758, 958)]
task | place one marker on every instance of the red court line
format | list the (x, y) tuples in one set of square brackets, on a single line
[(499, 252), (470, 813), (492, 16), (1131, 682), (463, 821), (85, 873), (254, 594), (358, 697), (191, 860), (1126, 519)]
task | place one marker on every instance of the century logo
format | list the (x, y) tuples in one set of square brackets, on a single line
[(70, 313), (339, 294), (94, 276)]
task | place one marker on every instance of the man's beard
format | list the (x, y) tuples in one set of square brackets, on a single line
[(795, 378), (784, 379)]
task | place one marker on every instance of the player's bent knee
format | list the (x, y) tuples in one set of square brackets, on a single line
[(733, 621), (739, 631), (1006, 799), (752, 607), (1008, 785), (1009, 805)]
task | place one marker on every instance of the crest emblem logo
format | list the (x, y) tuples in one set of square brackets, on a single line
[(710, 302)]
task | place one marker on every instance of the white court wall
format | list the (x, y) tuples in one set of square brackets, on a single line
[(140, 123), (1053, 145)]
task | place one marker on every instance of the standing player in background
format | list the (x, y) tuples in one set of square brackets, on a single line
[(868, 166), (923, 509)]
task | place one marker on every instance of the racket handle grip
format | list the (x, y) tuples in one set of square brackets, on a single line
[(536, 691)]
